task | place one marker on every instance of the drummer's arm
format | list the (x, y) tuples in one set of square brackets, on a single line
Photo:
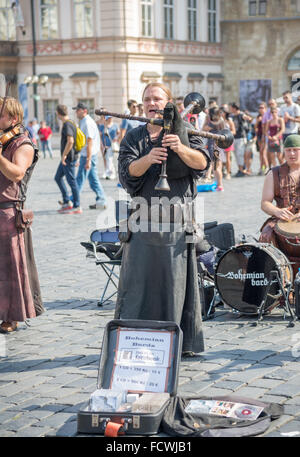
[(267, 198)]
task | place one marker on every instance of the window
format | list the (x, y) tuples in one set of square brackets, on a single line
[(90, 103), (262, 7), (212, 15), (294, 62), (192, 20), (257, 7), (146, 18), (83, 18), (7, 22), (50, 114), (49, 23), (168, 19), (252, 8)]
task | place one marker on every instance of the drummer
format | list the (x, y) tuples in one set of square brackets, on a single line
[(282, 184)]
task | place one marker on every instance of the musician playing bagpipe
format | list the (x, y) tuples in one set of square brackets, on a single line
[(158, 279), (282, 184)]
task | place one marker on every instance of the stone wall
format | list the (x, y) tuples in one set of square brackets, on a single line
[(258, 47)]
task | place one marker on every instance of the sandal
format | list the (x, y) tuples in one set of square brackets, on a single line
[(8, 327)]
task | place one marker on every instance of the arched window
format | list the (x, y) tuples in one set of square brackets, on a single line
[(294, 62)]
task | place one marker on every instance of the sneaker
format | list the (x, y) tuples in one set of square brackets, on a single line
[(77, 210), (65, 207), (228, 176), (220, 189), (240, 174), (104, 176), (96, 205)]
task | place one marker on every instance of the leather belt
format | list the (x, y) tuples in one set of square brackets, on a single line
[(4, 205)]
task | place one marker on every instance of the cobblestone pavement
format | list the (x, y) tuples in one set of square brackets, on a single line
[(49, 369)]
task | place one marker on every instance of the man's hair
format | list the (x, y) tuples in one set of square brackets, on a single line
[(214, 113), (13, 107), (161, 86), (131, 102), (62, 110), (235, 106), (286, 92)]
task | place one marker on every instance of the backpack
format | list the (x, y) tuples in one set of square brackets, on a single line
[(80, 140)]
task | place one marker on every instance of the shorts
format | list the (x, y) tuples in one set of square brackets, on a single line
[(239, 151)]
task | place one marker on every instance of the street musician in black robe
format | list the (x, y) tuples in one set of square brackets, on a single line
[(158, 277)]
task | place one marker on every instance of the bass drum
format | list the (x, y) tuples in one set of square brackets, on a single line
[(242, 276)]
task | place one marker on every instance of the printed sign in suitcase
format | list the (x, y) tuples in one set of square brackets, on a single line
[(138, 374)]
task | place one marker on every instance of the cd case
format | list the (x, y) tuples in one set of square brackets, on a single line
[(223, 408)]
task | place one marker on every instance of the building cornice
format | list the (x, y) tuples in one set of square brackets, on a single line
[(259, 19), (131, 46)]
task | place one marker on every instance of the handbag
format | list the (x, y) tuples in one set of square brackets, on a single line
[(24, 218)]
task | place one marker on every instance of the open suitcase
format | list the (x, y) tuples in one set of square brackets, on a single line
[(142, 358)]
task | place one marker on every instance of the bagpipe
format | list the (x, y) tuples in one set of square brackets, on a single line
[(173, 122)]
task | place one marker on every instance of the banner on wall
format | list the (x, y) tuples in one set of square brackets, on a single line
[(253, 92)]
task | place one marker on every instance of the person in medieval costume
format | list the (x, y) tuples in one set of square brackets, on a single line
[(158, 277), (282, 185), (20, 297)]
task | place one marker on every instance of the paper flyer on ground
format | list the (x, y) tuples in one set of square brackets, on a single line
[(224, 408)]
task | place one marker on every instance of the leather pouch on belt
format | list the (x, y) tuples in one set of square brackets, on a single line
[(24, 218)]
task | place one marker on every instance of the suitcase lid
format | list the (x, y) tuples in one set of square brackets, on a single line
[(140, 356)]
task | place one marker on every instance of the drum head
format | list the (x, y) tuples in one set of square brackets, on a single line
[(242, 276), (289, 228)]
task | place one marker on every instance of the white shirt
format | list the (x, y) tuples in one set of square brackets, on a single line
[(201, 119), (294, 111), (90, 129)]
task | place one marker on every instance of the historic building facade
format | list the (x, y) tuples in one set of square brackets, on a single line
[(261, 47), (103, 52)]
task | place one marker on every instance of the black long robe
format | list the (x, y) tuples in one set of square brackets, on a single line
[(158, 277)]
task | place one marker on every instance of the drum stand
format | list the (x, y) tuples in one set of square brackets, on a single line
[(207, 313), (274, 276)]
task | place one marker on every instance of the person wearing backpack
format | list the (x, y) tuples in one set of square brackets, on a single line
[(67, 166)]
